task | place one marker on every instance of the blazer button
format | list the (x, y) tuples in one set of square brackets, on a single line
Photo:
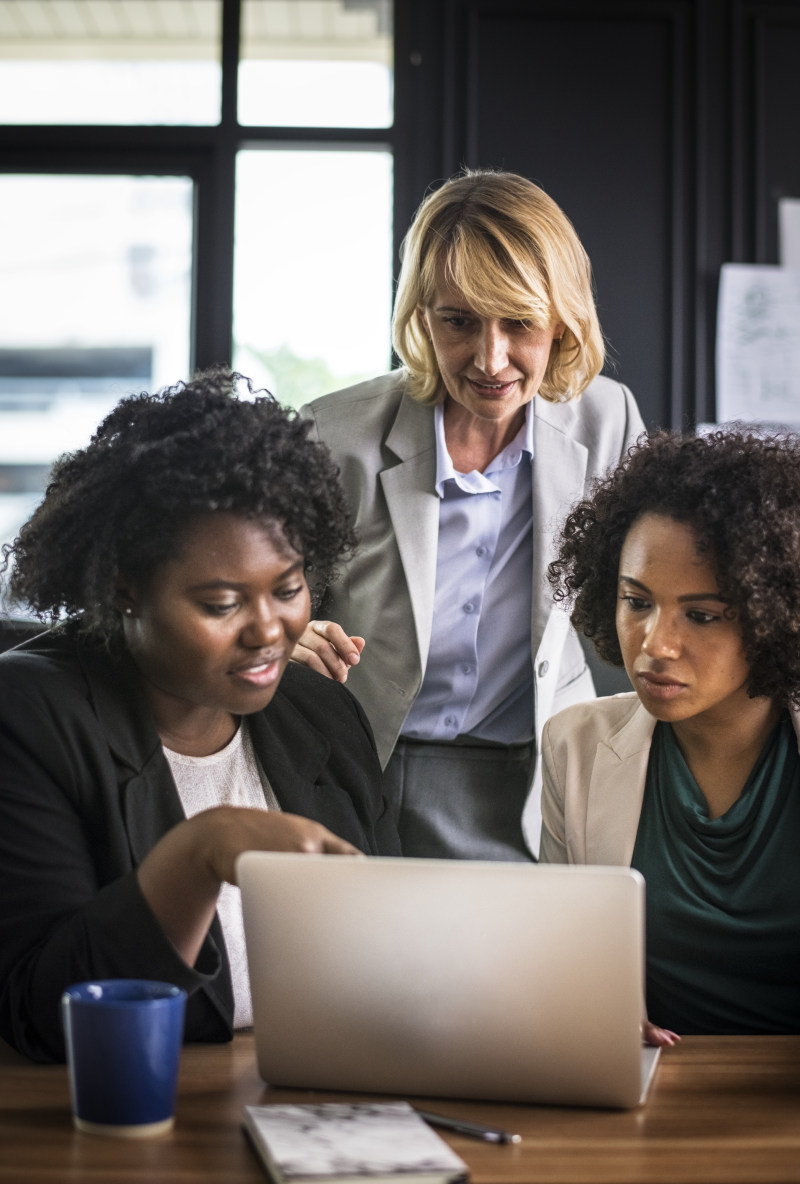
[(543, 668)]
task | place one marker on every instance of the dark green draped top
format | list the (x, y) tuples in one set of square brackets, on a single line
[(723, 895)]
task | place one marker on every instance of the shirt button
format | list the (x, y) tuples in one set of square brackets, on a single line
[(450, 720), (469, 607), (543, 668), (480, 552), (466, 668)]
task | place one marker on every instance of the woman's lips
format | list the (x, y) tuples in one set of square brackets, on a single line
[(659, 686), (261, 675), (492, 390)]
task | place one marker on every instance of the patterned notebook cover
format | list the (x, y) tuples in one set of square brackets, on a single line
[(343, 1142)]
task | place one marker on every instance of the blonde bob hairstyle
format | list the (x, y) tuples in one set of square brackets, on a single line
[(511, 252)]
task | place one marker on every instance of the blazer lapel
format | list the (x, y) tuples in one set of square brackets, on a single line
[(616, 790), (559, 470), (149, 800), (292, 756), (148, 797), (294, 753), (413, 507)]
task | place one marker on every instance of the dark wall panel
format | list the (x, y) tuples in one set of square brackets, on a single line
[(589, 103), (776, 124), (667, 129)]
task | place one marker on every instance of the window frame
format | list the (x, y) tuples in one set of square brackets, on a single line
[(206, 154)]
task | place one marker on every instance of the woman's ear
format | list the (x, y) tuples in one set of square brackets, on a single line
[(422, 313), (125, 599)]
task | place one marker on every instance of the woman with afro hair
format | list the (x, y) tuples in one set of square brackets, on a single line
[(684, 566), (157, 730)]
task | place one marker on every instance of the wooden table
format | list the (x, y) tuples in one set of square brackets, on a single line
[(723, 1110)]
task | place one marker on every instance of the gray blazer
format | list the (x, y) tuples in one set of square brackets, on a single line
[(384, 444)]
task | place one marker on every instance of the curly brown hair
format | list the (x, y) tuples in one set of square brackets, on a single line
[(123, 503), (740, 494)]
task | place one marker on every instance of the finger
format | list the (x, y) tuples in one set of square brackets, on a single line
[(324, 661), (347, 647), (305, 835), (316, 649), (333, 845), (660, 1037)]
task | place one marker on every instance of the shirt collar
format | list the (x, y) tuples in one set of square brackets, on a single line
[(475, 482)]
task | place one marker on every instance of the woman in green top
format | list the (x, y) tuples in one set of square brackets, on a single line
[(684, 566)]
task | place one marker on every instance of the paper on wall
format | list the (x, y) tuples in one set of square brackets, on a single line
[(789, 231), (758, 345)]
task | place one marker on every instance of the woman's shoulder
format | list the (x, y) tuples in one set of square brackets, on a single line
[(312, 714), (364, 407), (367, 424), (44, 696), (61, 675), (48, 661), (321, 700), (593, 721), (604, 416)]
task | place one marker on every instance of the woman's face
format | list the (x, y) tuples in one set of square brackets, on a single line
[(214, 628), (489, 365), (681, 643)]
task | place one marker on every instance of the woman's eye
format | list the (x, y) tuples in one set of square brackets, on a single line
[(635, 603), (218, 610), (289, 593), (698, 617), (456, 322)]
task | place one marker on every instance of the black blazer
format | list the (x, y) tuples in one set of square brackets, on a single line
[(86, 792)]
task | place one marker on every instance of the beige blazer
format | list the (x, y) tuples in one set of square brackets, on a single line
[(594, 758), (384, 444)]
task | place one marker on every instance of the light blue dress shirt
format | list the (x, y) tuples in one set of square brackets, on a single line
[(479, 677)]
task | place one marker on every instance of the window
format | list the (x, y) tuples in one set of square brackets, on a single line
[(312, 295), (316, 63), (186, 182), (152, 61)]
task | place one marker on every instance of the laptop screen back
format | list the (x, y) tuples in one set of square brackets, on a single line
[(498, 981)]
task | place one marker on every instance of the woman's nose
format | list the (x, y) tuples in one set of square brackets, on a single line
[(263, 628), (491, 351), (661, 637)]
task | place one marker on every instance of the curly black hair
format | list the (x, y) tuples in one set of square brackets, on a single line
[(123, 503), (740, 494)]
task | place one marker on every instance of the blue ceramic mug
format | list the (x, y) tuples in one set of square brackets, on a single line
[(124, 1039)]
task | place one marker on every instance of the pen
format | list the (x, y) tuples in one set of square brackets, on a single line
[(476, 1130)]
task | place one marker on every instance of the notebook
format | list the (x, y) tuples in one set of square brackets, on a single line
[(351, 1143), (499, 981)]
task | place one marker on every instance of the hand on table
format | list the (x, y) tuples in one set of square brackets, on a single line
[(326, 648), (660, 1037)]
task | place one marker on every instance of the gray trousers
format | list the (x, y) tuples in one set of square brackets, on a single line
[(460, 800)]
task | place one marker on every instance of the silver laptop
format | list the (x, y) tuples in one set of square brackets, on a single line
[(501, 981)]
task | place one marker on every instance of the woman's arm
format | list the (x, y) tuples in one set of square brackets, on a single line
[(181, 877), (71, 818)]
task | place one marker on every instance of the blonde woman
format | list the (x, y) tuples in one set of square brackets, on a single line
[(457, 467)]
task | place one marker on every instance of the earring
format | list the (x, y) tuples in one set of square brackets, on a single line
[(128, 611)]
